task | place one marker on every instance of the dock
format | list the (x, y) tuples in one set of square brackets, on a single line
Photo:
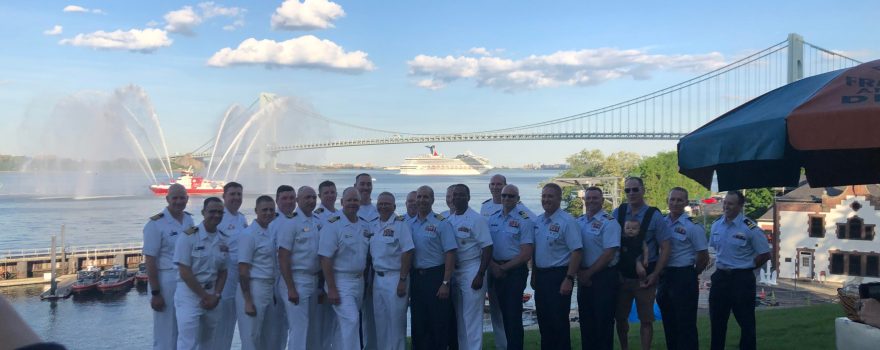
[(29, 266)]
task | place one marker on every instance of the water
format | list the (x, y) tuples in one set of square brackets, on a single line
[(33, 206)]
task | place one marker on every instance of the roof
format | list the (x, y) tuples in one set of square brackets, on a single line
[(805, 193)]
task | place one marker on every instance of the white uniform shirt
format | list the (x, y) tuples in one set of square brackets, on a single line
[(299, 235), (347, 242), (489, 207), (392, 238), (598, 232), (200, 251), (257, 248), (232, 226), (368, 212), (322, 213), (471, 235), (160, 235)]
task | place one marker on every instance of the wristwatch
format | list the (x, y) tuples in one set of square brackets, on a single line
[(570, 277), (445, 283), (154, 292)]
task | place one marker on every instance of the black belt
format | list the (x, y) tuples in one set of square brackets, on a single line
[(733, 271), (554, 268), (424, 271), (501, 262)]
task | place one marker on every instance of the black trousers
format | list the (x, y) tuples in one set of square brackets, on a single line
[(596, 306), (552, 308), (509, 291), (431, 316), (677, 297), (733, 290)]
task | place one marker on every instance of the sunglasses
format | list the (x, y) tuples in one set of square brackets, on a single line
[(505, 195), (631, 190)]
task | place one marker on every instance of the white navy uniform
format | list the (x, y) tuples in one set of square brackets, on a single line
[(160, 236), (299, 236), (370, 214), (257, 249), (487, 209), (329, 328), (202, 252), (472, 235), (392, 238), (278, 326), (347, 243), (232, 227)]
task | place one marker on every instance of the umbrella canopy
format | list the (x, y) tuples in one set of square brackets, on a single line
[(829, 124)]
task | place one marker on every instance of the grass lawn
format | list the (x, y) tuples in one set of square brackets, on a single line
[(808, 327)]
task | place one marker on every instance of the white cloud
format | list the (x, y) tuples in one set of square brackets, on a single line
[(303, 52), (56, 30), (561, 68), (306, 15), (479, 51), (210, 9), (235, 25), (182, 21), (144, 41), (152, 24), (75, 8)]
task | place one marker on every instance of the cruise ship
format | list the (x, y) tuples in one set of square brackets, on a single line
[(435, 163)]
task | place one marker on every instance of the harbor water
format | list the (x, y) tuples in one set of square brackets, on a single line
[(102, 208)]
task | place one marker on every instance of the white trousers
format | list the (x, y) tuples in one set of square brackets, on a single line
[(329, 329), (390, 321), (468, 305), (252, 329), (227, 318), (165, 321), (195, 325), (277, 331), (303, 317), (497, 321), (351, 292), (368, 324)]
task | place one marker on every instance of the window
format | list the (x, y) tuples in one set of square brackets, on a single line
[(872, 266), (817, 226), (854, 265), (854, 228), (837, 267)]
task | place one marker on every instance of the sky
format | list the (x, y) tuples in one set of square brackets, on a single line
[(409, 66)]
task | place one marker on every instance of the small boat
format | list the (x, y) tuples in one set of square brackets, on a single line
[(86, 280), (115, 279), (195, 185), (141, 275)]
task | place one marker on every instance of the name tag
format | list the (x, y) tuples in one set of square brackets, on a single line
[(388, 232), (464, 229), (554, 228), (200, 248), (173, 233), (430, 228)]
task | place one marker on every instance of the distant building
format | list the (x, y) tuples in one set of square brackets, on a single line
[(827, 233)]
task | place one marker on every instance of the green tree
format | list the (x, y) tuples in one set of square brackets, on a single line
[(660, 173), (594, 163), (758, 201)]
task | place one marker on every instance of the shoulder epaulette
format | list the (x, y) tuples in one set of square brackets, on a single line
[(187, 213), (157, 216), (523, 214), (362, 218), (333, 219), (487, 201), (691, 219), (191, 230), (222, 233), (751, 224), (608, 216), (319, 210), (399, 218), (291, 216), (439, 217)]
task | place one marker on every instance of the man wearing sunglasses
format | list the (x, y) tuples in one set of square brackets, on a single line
[(655, 233)]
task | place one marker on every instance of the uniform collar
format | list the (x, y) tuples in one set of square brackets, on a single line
[(682, 218), (325, 208), (599, 214), (227, 212), (739, 218)]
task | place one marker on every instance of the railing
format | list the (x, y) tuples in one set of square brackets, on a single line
[(29, 253)]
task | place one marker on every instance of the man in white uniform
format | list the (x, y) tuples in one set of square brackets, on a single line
[(368, 212), (257, 259), (201, 261), (234, 222), (160, 235), (343, 248), (329, 327), (391, 249)]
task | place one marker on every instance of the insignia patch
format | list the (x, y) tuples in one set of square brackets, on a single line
[(692, 220), (608, 216), (597, 224), (200, 248), (751, 224), (191, 230), (514, 223), (430, 228), (291, 216), (319, 210), (523, 214), (464, 229), (388, 232), (333, 219), (680, 230), (740, 236), (367, 233), (399, 218), (554, 228)]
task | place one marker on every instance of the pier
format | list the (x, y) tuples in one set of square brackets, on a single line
[(28, 266)]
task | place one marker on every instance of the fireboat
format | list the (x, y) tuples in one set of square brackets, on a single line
[(195, 185)]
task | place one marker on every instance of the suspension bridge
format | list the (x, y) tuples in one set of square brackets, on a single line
[(665, 114)]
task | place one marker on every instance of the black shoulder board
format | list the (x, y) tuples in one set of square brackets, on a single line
[(191, 230), (319, 210), (187, 213), (487, 201), (751, 224), (333, 219), (291, 216), (222, 234), (362, 218), (608, 216), (157, 216), (439, 217), (691, 219), (399, 218), (523, 214)]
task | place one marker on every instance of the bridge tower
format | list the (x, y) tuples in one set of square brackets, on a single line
[(269, 159), (795, 57)]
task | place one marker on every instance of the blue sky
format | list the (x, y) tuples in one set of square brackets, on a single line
[(384, 63)]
